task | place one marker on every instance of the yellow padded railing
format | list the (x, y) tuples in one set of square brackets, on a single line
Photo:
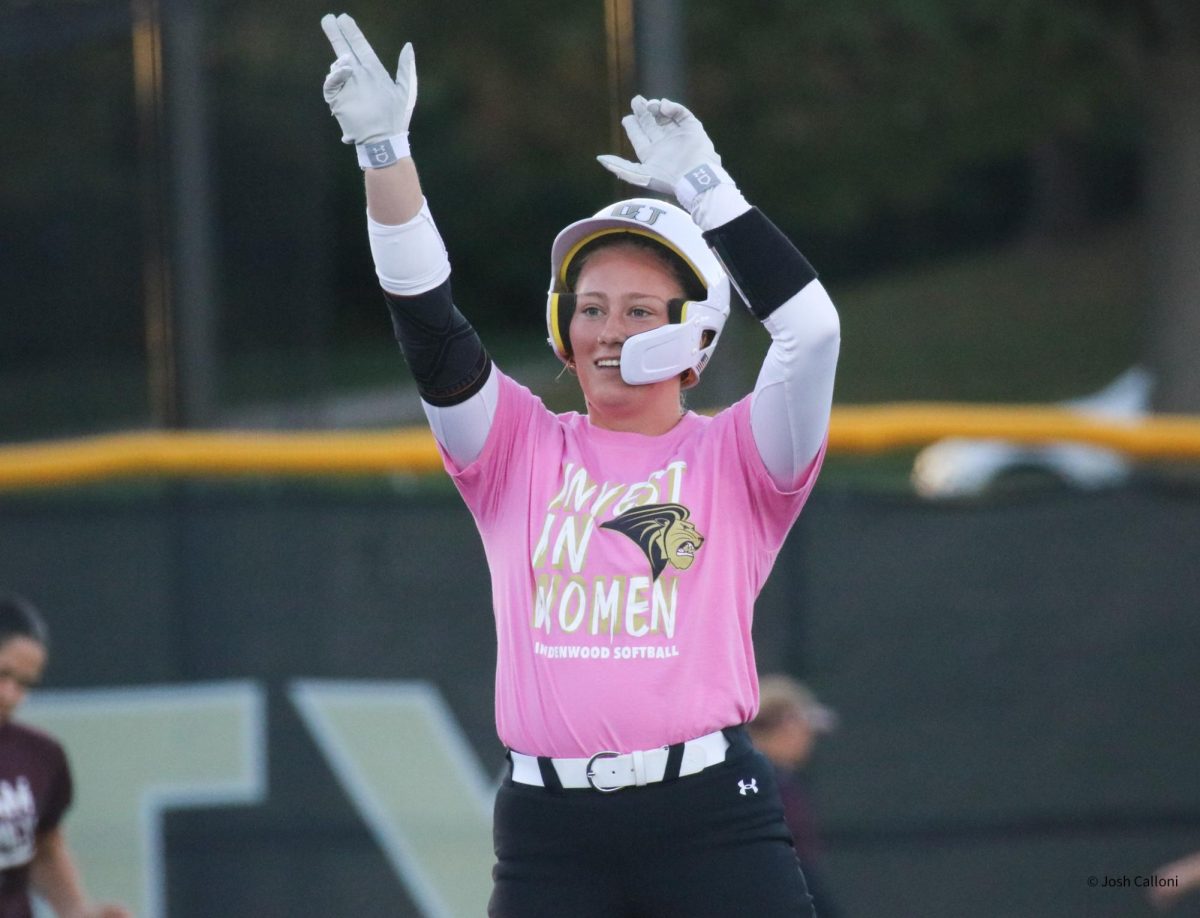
[(854, 429)]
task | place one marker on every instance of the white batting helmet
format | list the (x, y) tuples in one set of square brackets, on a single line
[(686, 343)]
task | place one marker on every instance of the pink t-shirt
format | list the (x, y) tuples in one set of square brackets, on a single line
[(624, 573)]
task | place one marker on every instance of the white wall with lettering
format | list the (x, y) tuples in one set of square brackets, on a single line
[(394, 746)]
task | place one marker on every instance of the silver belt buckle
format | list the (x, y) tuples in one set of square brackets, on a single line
[(590, 772)]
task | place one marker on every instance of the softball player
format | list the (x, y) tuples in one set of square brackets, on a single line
[(626, 544), (35, 785)]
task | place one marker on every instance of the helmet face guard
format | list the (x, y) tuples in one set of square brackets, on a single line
[(684, 345)]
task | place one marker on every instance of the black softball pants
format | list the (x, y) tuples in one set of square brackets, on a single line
[(709, 845)]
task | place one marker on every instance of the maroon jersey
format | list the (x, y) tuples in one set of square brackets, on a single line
[(35, 791)]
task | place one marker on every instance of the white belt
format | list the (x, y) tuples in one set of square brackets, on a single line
[(610, 771)]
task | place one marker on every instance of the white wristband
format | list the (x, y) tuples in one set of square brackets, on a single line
[(696, 181), (383, 152), (719, 206)]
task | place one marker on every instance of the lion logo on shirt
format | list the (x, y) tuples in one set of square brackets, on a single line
[(663, 532)]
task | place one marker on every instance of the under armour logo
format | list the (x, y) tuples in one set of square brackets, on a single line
[(381, 153), (702, 178), (743, 787)]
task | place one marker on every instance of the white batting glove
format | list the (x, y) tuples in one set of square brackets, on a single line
[(372, 108), (676, 155)]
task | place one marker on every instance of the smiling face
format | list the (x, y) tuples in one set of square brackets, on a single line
[(622, 291), (22, 660)]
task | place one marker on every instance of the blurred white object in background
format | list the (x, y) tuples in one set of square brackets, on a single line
[(960, 467)]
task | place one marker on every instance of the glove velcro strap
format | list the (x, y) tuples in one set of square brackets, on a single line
[(765, 267), (698, 180), (380, 153)]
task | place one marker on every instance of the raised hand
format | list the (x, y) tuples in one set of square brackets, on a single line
[(372, 108), (674, 152)]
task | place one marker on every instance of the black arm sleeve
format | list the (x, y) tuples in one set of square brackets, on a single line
[(763, 265), (447, 358)]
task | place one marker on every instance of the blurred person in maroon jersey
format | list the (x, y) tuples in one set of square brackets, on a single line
[(35, 785)]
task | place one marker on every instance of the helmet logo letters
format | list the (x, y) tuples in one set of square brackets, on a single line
[(632, 211)]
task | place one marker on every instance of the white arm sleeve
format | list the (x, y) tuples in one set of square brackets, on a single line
[(792, 400), (463, 429)]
